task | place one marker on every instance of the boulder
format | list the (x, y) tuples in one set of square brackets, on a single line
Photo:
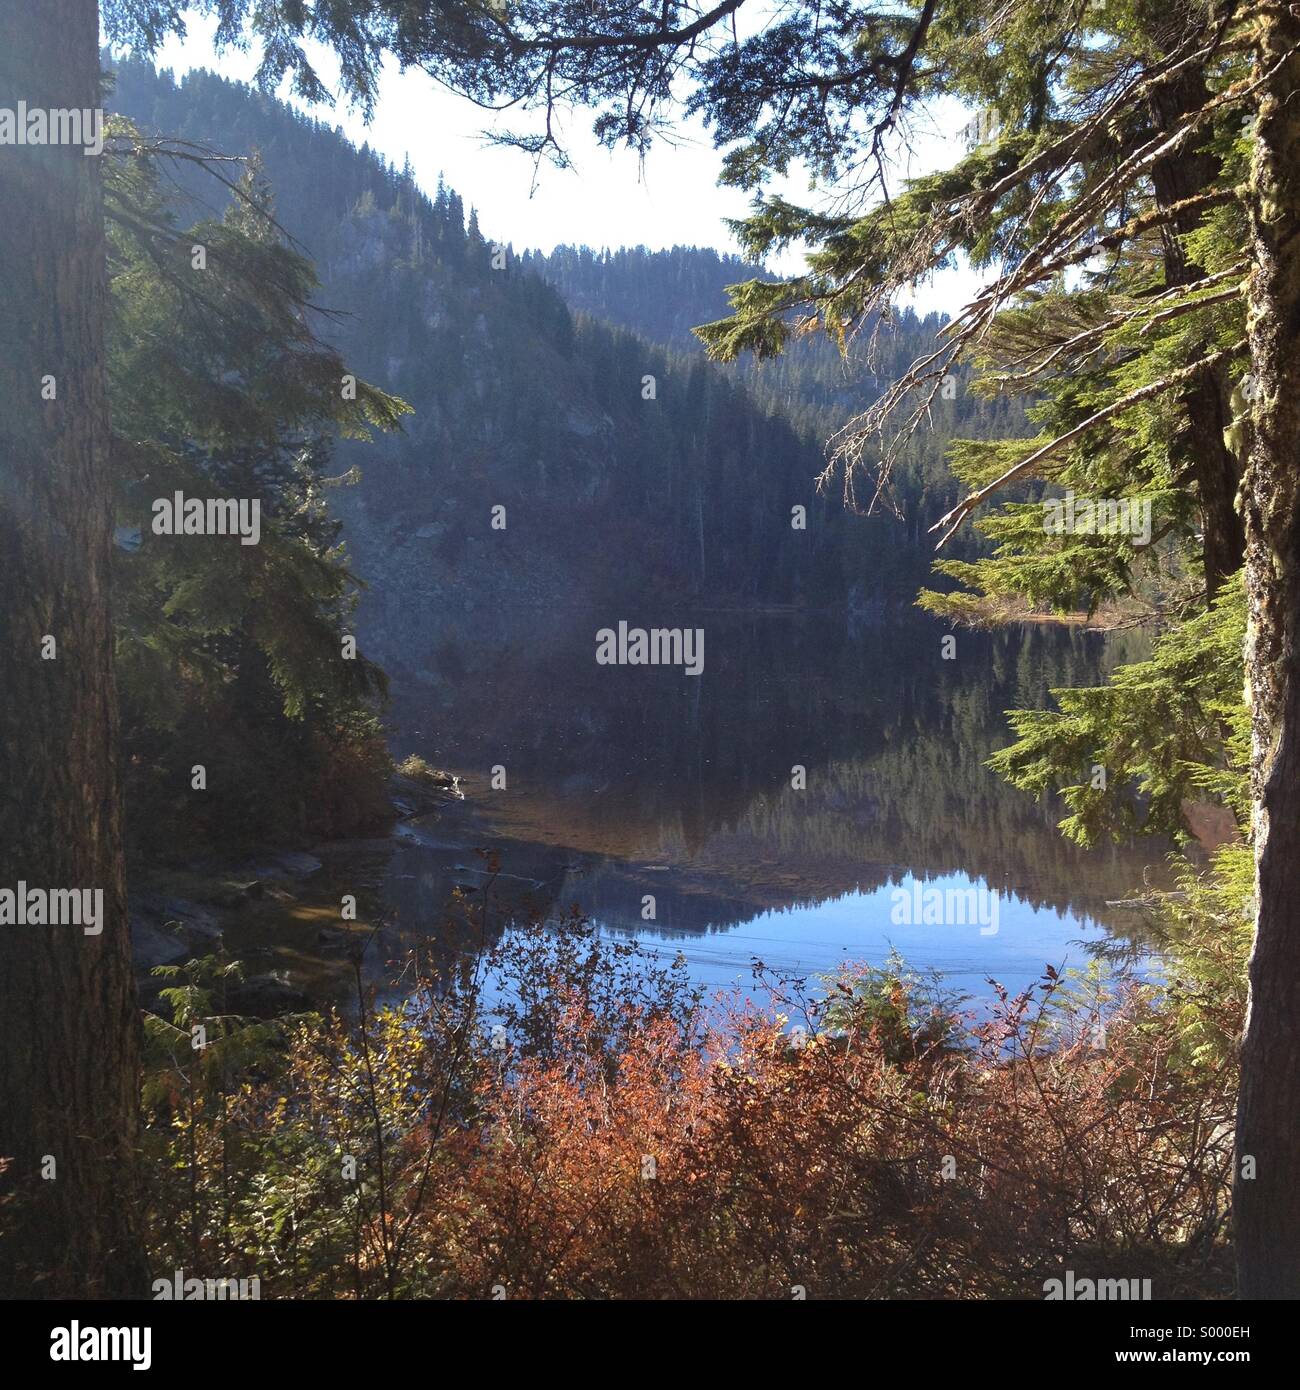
[(266, 996)]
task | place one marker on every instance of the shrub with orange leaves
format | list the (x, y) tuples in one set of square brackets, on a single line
[(567, 1120)]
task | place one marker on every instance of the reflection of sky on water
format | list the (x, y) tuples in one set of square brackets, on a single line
[(816, 940)]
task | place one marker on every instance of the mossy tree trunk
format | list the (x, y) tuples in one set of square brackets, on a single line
[(69, 1028), (1267, 1180), (1178, 179)]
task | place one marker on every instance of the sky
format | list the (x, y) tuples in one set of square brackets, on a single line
[(608, 199)]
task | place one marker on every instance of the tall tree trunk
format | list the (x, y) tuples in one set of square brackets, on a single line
[(1267, 1180), (69, 1029), (1205, 401)]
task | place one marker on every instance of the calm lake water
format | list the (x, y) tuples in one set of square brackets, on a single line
[(627, 783)]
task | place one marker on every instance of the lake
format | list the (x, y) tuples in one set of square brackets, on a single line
[(795, 802)]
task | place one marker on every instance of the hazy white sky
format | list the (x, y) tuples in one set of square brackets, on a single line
[(609, 198)]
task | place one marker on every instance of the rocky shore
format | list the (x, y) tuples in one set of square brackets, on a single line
[(180, 912)]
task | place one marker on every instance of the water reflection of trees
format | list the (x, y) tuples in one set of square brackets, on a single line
[(696, 772)]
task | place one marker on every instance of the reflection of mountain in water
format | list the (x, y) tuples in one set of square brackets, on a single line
[(627, 782)]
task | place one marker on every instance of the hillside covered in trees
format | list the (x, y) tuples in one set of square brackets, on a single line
[(548, 387), (664, 295)]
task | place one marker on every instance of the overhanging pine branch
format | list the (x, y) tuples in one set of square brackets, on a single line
[(953, 519)]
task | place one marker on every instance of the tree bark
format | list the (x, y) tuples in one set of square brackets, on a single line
[(69, 1028), (1205, 402), (1267, 1204)]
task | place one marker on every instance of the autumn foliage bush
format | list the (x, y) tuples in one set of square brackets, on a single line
[(561, 1118)]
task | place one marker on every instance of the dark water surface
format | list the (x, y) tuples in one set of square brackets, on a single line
[(627, 783)]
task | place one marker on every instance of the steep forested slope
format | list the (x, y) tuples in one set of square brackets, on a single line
[(633, 476), (663, 295)]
